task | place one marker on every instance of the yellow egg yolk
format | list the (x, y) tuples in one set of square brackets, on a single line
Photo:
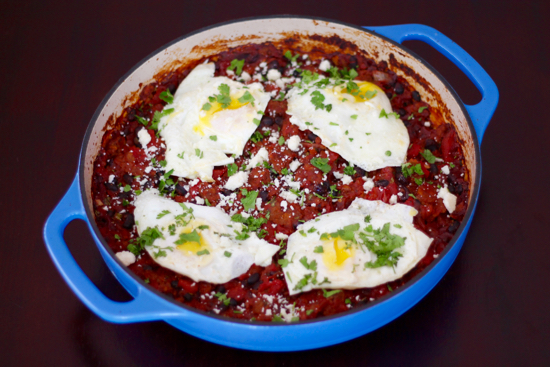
[(192, 246), (335, 252), (366, 91), (215, 107)]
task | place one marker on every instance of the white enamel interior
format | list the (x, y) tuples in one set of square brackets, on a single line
[(273, 29)]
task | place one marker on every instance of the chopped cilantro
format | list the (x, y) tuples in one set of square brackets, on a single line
[(227, 254), (349, 170), (213, 137), (422, 109), (331, 293), (249, 202), (189, 237), (388, 153), (167, 97), (237, 66), (163, 213), (203, 252), (354, 117), (318, 250), (207, 106), (146, 239), (428, 156), (321, 163), (247, 98), (281, 140), (232, 169)]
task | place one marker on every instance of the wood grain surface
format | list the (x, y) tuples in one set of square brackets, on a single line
[(59, 59)]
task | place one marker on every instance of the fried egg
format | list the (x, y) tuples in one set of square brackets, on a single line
[(368, 244), (197, 241), (212, 117), (359, 123)]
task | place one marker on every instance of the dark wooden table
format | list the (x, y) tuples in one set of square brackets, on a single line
[(59, 60)]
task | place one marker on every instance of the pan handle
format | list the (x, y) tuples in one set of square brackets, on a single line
[(480, 113), (144, 307)]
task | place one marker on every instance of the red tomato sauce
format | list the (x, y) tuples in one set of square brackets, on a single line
[(120, 174)]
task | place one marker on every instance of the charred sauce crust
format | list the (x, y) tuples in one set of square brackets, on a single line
[(119, 172)]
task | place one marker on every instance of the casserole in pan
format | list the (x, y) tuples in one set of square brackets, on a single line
[(469, 122)]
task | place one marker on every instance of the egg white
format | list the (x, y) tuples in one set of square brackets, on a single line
[(198, 140), (353, 127), (227, 257), (351, 273)]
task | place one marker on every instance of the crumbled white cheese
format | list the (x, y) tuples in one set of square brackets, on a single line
[(261, 156), (288, 196), (237, 180), (274, 137), (445, 170), (126, 257), (284, 205), (393, 199), (230, 72), (280, 83), (144, 137), (346, 179), (111, 178), (199, 200), (427, 124), (245, 76), (259, 204), (273, 74), (294, 165), (293, 143), (449, 200), (281, 236), (338, 175), (324, 65), (368, 185)]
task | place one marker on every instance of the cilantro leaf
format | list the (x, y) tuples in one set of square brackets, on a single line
[(331, 293), (232, 169), (237, 66), (249, 202), (321, 163), (428, 156), (167, 97)]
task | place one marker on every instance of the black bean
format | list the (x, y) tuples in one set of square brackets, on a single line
[(311, 137), (220, 289), (136, 142), (401, 112), (389, 94), (181, 190), (273, 65), (253, 278), (147, 267), (128, 221), (226, 192), (131, 115), (188, 297), (322, 188), (128, 179), (433, 169), (399, 89), (401, 178), (233, 302), (171, 87), (405, 196), (360, 171), (296, 73), (111, 186), (416, 96), (124, 195), (431, 145), (257, 285), (174, 284), (382, 183), (264, 195), (279, 120), (453, 227), (110, 212), (267, 121)]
